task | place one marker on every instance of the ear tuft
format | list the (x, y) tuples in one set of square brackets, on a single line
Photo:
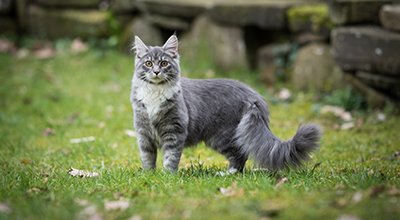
[(171, 46), (139, 47)]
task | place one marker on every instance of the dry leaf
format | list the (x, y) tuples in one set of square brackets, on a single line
[(5, 208), (233, 190), (82, 202), (44, 53), (357, 197), (130, 133), (337, 111), (348, 217), (90, 213), (136, 217), (377, 190), (26, 161), (82, 140), (347, 126), (281, 181), (381, 117), (284, 94), (48, 132), (116, 205), (82, 173), (22, 53), (7, 46), (78, 46)]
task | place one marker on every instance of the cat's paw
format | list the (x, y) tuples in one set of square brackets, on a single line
[(230, 171)]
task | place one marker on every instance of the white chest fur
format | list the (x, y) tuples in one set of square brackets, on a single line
[(152, 96)]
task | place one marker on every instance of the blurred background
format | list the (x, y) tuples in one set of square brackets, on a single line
[(323, 46)]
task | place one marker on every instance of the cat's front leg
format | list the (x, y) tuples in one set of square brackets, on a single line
[(173, 147), (148, 152)]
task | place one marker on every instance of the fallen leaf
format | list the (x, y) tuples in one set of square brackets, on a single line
[(340, 203), (101, 124), (347, 126), (78, 46), (82, 173), (348, 217), (44, 53), (231, 191), (135, 217), (210, 73), (357, 197), (82, 202), (381, 117), (393, 191), (48, 132), (284, 94), (130, 133), (82, 140), (72, 118), (26, 161), (337, 111), (22, 53), (5, 208), (7, 46), (116, 205), (281, 181), (377, 190), (90, 213)]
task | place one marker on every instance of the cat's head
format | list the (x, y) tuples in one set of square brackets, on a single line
[(157, 65)]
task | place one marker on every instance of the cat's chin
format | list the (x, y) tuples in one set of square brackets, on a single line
[(157, 81)]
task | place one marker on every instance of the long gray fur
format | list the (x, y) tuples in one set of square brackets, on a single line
[(172, 112)]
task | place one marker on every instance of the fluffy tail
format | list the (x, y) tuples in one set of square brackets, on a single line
[(257, 141)]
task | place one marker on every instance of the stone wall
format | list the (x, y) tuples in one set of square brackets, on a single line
[(316, 44), (366, 45)]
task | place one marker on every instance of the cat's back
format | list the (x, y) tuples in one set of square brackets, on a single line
[(215, 87), (217, 94)]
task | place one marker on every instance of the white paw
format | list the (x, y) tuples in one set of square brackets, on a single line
[(230, 171)]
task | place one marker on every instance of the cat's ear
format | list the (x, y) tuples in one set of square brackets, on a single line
[(139, 47), (171, 46)]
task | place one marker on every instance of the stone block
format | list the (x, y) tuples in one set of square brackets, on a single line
[(367, 48), (268, 14), (69, 3), (175, 8), (169, 22), (144, 29), (315, 70), (390, 17), (309, 18), (123, 6), (355, 11), (388, 85), (8, 25), (6, 7), (271, 61), (53, 23), (374, 98), (221, 46)]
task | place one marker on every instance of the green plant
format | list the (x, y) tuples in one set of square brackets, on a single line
[(346, 98)]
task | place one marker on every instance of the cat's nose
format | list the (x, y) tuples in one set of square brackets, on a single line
[(156, 72)]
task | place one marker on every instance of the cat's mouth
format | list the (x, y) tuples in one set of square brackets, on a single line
[(156, 80)]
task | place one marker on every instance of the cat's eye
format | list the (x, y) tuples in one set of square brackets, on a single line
[(164, 63), (148, 63)]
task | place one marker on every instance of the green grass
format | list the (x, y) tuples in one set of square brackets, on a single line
[(88, 95)]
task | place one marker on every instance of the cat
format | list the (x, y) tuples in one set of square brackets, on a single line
[(172, 112)]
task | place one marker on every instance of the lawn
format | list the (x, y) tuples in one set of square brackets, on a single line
[(44, 104)]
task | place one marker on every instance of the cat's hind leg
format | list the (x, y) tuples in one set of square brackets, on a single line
[(237, 161)]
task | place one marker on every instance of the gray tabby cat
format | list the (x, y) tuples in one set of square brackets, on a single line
[(172, 112)]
